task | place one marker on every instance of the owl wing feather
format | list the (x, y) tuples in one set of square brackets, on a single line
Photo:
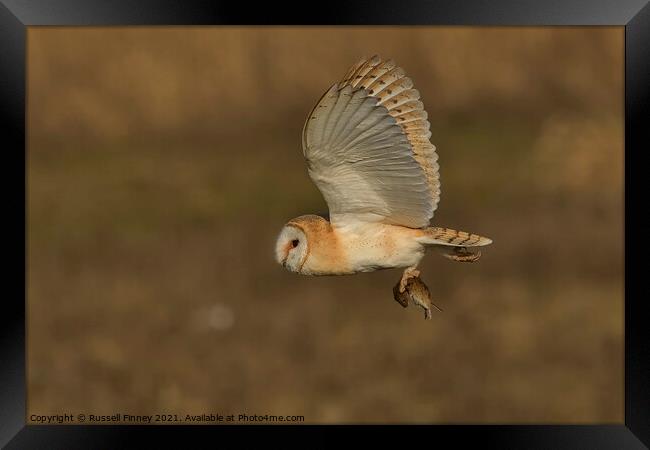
[(367, 148)]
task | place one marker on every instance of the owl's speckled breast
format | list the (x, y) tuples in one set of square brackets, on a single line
[(372, 247)]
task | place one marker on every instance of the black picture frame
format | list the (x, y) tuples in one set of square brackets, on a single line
[(634, 15)]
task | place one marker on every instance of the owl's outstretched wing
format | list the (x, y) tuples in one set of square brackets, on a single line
[(367, 148)]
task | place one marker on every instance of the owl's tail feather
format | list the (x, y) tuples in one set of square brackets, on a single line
[(452, 238), (453, 244)]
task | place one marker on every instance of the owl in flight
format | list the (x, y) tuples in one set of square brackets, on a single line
[(367, 148)]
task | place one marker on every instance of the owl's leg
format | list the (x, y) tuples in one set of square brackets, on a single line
[(461, 254), (409, 272)]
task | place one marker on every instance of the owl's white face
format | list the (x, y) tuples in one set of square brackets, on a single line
[(291, 248)]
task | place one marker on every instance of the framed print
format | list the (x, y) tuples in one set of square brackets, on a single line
[(235, 219)]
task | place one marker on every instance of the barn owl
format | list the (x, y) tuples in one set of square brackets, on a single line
[(366, 143)]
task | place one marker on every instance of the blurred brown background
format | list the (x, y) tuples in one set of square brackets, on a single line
[(162, 163)]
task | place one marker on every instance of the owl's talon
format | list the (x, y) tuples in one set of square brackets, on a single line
[(406, 276), (461, 254)]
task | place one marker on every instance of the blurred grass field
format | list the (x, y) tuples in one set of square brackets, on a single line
[(162, 163)]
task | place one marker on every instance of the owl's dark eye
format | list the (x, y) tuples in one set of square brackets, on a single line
[(295, 243)]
